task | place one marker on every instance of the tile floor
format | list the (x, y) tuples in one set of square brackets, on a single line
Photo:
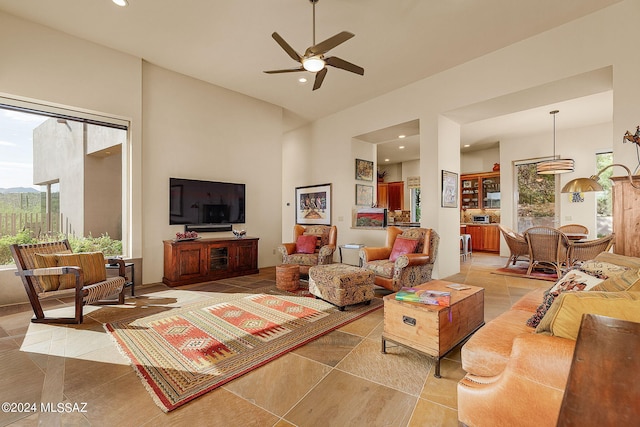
[(341, 379)]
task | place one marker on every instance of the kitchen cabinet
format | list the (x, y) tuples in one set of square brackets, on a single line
[(391, 195), (484, 237), (480, 191)]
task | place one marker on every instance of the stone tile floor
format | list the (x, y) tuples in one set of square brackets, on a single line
[(341, 379)]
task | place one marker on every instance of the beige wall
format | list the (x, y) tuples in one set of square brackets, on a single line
[(593, 42), (41, 64), (196, 130)]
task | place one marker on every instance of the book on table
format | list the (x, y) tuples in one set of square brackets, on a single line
[(424, 296)]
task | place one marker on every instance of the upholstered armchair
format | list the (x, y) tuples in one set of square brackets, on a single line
[(307, 251), (393, 266)]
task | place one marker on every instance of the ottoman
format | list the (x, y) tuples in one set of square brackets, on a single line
[(287, 277), (341, 284)]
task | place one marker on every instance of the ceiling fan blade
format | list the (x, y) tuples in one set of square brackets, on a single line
[(286, 70), (334, 61), (330, 43), (284, 45), (319, 78)]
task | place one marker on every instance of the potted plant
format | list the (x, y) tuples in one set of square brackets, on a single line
[(381, 175)]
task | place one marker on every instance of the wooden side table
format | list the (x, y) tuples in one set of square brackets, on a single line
[(603, 388), (431, 329), (131, 279)]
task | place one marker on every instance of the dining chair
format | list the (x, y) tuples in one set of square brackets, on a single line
[(547, 247), (517, 245), (586, 250), (574, 228)]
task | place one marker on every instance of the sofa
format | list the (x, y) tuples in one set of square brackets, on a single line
[(517, 364)]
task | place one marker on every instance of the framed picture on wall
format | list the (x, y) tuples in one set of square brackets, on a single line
[(449, 189), (364, 195), (364, 170), (313, 204)]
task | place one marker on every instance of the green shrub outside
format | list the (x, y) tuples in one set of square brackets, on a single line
[(104, 244)]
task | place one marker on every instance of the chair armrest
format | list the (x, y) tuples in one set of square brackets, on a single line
[(416, 259), (287, 248), (122, 271), (372, 254), (55, 271), (327, 250)]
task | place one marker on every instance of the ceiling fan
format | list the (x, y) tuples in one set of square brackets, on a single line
[(313, 59)]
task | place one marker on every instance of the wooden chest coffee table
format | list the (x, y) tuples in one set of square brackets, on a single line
[(431, 329)]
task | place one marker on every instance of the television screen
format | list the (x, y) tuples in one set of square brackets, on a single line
[(205, 202)]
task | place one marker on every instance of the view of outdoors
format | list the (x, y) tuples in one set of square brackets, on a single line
[(34, 161), (536, 198)]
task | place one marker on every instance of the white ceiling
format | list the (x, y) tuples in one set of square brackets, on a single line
[(228, 43)]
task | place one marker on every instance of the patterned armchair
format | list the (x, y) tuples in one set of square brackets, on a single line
[(325, 246), (407, 270)]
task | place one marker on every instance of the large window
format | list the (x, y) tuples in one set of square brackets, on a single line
[(604, 211), (536, 197), (60, 177)]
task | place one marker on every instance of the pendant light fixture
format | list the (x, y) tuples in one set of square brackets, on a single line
[(556, 165)]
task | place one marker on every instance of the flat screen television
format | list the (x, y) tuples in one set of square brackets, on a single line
[(194, 202)]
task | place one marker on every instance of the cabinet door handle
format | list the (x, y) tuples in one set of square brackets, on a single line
[(409, 320)]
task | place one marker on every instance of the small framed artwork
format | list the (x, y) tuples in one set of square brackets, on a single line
[(449, 189), (364, 170), (576, 197), (364, 195), (313, 204)]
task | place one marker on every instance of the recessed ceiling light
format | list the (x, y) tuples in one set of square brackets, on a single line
[(401, 136), (386, 160), (121, 2), (467, 145), (302, 80), (401, 147)]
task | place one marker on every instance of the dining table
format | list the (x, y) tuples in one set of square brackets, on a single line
[(576, 236)]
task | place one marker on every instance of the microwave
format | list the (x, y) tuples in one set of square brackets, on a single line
[(481, 219)]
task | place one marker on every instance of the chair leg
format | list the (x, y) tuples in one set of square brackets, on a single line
[(530, 268)]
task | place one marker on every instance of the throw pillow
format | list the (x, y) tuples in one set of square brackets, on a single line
[(402, 246), (91, 263), (48, 283), (574, 280), (601, 269), (306, 244), (627, 281), (565, 315)]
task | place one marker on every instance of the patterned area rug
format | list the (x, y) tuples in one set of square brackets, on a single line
[(188, 351), (516, 271)]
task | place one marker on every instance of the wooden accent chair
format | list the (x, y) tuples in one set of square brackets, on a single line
[(574, 228), (406, 270), (321, 251), (51, 270), (517, 245), (547, 246), (586, 250)]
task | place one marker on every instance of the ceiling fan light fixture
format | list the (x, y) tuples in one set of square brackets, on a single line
[(313, 64)]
